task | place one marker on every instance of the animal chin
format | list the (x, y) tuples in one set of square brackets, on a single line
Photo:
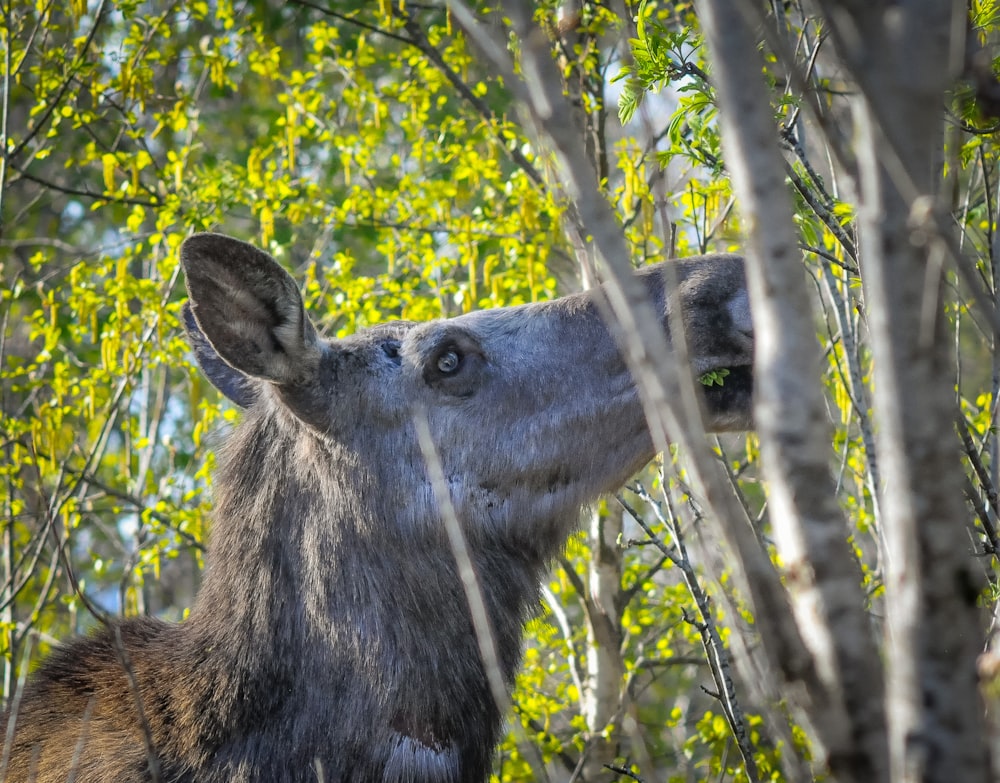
[(728, 398)]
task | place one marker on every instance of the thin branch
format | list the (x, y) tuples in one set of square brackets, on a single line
[(572, 659), (624, 771), (718, 658), (822, 211), (83, 193), (419, 40), (43, 118), (351, 20), (629, 593), (986, 514), (565, 759)]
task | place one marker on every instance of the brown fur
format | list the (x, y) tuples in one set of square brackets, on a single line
[(331, 639)]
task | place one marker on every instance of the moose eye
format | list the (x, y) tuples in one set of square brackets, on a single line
[(391, 349), (454, 364), (448, 362)]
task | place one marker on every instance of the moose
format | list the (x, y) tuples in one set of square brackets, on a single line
[(332, 639)]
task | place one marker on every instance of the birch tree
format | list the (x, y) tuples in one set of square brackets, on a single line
[(815, 601), (914, 713)]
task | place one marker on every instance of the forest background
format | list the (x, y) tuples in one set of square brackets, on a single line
[(817, 600)]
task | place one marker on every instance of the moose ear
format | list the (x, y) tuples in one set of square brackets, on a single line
[(238, 387), (250, 312)]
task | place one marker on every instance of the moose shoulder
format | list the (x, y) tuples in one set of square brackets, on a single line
[(331, 639)]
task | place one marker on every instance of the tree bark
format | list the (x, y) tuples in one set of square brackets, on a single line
[(605, 667), (822, 577), (899, 55)]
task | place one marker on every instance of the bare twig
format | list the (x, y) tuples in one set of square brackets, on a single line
[(718, 657), (352, 20), (624, 771)]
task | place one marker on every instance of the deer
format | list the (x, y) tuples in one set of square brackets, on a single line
[(331, 638)]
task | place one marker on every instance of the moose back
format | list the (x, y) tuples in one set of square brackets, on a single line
[(331, 639)]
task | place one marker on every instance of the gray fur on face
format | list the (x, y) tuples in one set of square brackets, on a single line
[(332, 631)]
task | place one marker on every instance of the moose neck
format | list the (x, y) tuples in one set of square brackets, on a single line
[(309, 572)]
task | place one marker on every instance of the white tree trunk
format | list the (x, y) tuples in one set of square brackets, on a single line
[(902, 56), (821, 574), (605, 667)]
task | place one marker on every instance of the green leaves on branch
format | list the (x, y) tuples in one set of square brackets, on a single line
[(660, 55)]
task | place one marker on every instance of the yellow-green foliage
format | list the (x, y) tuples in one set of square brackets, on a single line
[(333, 140), (344, 152), (350, 156)]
